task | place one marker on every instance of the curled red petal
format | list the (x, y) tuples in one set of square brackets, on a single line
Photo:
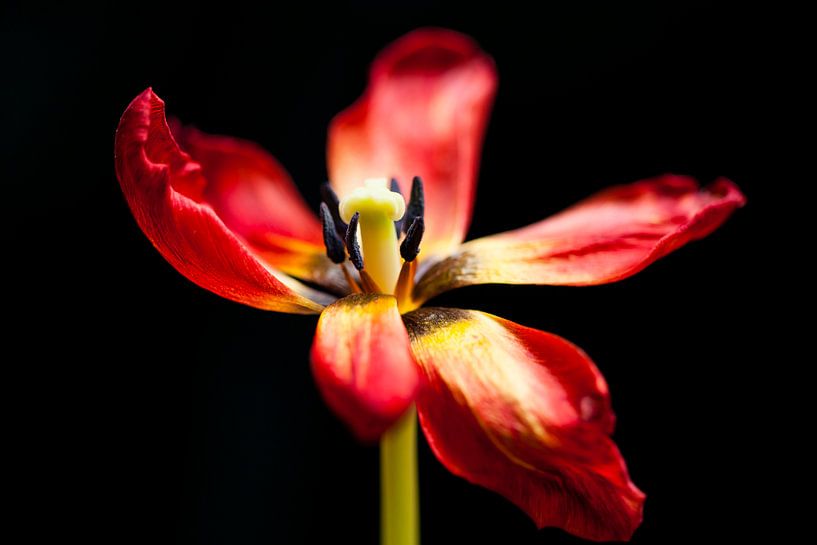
[(362, 363), (605, 238), (424, 114), (165, 190), (256, 199), (526, 414), (249, 190)]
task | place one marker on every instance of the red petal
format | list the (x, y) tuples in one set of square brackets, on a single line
[(605, 238), (249, 190), (362, 363), (165, 191), (526, 414), (255, 198), (423, 114)]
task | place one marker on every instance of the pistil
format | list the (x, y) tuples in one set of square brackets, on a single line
[(379, 208)]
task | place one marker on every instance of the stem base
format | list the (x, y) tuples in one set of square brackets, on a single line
[(399, 498)]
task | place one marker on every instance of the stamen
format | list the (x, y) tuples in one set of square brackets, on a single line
[(351, 242), (405, 285), (333, 243), (417, 204), (395, 188), (349, 280), (369, 285), (329, 196), (411, 244)]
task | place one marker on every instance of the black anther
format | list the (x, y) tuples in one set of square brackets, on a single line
[(333, 243), (351, 242), (411, 244), (395, 188), (329, 196), (417, 204)]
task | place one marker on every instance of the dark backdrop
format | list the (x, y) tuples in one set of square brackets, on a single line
[(143, 409)]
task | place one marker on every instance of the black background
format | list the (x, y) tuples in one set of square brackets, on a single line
[(143, 409)]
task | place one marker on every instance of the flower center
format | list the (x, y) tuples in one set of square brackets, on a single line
[(379, 208), (377, 216)]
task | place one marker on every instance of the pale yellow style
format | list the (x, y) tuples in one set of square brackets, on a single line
[(379, 208)]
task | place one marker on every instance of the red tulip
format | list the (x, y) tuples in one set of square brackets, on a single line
[(520, 411)]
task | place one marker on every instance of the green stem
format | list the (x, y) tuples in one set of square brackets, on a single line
[(399, 499)]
